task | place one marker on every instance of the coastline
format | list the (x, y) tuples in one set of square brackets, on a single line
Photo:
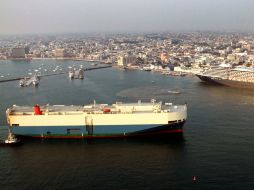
[(63, 59), (177, 72)]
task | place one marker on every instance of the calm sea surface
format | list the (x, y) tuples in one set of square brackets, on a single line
[(218, 145)]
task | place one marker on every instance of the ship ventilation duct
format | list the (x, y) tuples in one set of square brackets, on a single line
[(37, 110)]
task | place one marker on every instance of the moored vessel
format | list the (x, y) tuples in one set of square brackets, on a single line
[(76, 74), (27, 81), (240, 77), (71, 74), (97, 120)]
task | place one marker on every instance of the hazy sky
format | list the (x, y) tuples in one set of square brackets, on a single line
[(67, 16)]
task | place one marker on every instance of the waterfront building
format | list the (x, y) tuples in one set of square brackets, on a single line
[(59, 53), (27, 49), (164, 57), (231, 57), (18, 53), (120, 61), (124, 60), (189, 50)]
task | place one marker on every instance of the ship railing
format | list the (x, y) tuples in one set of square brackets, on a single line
[(21, 113)]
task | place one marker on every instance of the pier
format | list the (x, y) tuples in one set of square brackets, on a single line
[(53, 74)]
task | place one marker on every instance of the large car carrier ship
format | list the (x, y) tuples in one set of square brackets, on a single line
[(240, 77), (97, 120)]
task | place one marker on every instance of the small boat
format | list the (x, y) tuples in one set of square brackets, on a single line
[(22, 82), (76, 74), (27, 81), (71, 74), (147, 68), (35, 82), (94, 64), (174, 92), (81, 74), (10, 141), (174, 73)]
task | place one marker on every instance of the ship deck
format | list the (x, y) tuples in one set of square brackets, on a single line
[(96, 109)]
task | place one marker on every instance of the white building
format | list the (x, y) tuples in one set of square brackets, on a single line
[(124, 60)]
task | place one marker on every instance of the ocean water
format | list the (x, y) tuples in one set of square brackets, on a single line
[(217, 146)]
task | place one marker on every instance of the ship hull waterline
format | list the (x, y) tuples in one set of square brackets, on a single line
[(80, 132), (226, 82)]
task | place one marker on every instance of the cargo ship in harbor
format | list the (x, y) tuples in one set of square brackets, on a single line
[(240, 77), (97, 120)]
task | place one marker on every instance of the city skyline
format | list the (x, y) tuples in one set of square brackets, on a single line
[(112, 16)]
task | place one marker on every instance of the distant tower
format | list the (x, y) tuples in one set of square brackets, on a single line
[(121, 61)]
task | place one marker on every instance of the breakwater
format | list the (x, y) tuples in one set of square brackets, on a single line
[(53, 74)]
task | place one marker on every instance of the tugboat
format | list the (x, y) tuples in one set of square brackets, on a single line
[(10, 141)]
